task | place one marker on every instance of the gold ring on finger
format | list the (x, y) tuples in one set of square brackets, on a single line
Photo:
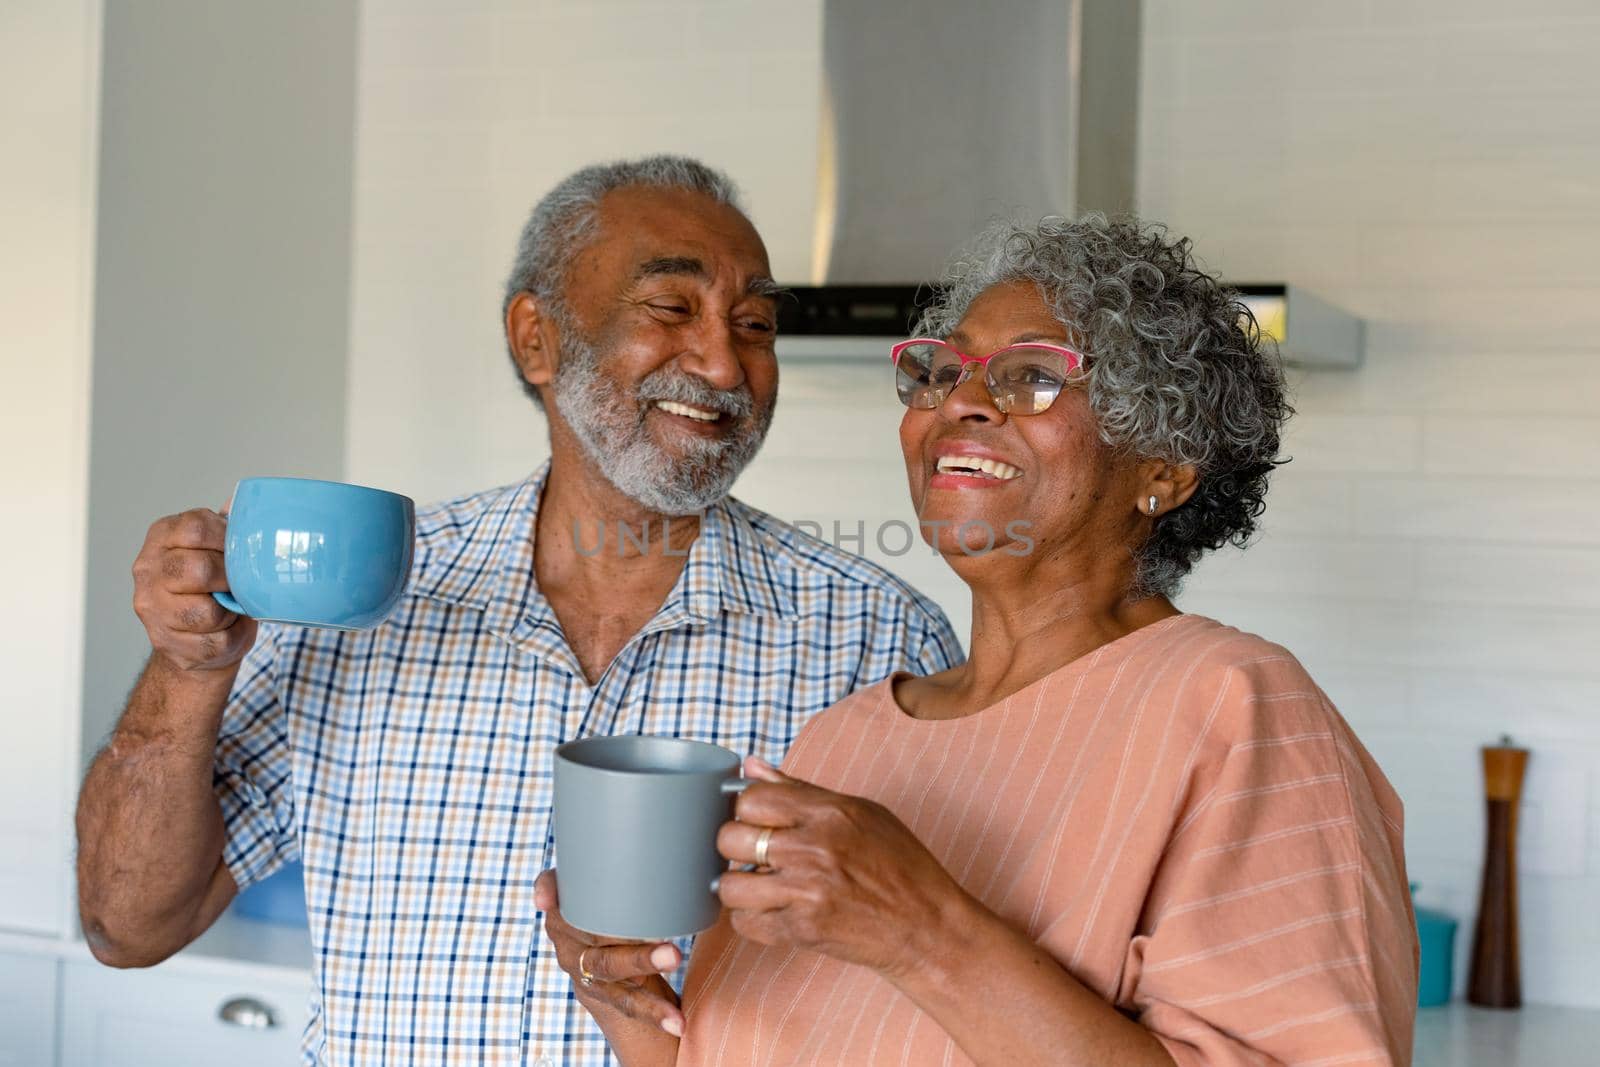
[(584, 974), (763, 841)]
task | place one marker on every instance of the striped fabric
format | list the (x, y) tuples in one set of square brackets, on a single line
[(1180, 818), (410, 765)]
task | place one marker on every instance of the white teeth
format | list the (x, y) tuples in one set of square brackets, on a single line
[(672, 407), (974, 464)]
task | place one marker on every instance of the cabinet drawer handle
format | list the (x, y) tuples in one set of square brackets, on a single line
[(249, 1013)]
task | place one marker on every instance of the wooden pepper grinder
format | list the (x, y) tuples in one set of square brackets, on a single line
[(1496, 978)]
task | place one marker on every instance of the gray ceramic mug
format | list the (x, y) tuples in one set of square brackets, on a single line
[(636, 820)]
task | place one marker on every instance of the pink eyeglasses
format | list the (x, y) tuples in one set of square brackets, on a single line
[(1022, 379)]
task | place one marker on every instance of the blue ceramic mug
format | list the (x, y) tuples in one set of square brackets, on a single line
[(315, 553)]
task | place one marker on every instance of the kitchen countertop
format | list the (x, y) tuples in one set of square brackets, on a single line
[(1536, 1035)]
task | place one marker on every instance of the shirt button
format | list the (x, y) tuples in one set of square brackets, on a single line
[(544, 1061)]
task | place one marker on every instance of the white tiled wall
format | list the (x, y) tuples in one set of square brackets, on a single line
[(1433, 552)]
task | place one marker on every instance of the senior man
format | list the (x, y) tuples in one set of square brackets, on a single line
[(409, 766)]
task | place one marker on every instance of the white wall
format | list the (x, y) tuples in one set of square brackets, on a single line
[(1433, 552), (222, 279), (49, 95), (465, 117)]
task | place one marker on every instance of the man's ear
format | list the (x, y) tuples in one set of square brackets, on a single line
[(532, 337), (1168, 484)]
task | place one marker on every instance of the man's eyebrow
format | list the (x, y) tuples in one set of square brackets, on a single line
[(659, 265), (761, 285), (689, 266)]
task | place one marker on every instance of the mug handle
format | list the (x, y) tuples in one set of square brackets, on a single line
[(227, 601), (732, 787), (224, 598)]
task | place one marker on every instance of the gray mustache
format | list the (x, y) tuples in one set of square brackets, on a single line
[(680, 388)]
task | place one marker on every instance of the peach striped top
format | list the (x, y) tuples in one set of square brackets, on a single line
[(1180, 818)]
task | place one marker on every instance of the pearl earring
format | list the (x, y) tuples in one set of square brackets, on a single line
[(1154, 504)]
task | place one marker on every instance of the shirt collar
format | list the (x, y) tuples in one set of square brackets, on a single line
[(490, 567)]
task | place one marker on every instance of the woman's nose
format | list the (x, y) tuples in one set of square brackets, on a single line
[(970, 399)]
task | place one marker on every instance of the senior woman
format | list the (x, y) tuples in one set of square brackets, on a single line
[(1118, 834)]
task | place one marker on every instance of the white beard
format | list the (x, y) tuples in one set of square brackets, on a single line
[(611, 429)]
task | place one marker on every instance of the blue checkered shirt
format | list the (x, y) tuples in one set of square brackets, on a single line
[(409, 766)]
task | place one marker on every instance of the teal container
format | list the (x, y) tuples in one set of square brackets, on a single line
[(1436, 934), (279, 898)]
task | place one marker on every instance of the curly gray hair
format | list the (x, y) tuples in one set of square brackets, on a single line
[(1178, 369), (567, 219)]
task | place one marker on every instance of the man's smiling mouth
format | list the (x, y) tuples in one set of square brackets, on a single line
[(688, 411)]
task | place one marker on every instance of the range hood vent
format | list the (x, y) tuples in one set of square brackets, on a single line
[(940, 115), (852, 322)]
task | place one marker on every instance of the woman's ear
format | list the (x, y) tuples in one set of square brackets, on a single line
[(530, 335), (1166, 486)]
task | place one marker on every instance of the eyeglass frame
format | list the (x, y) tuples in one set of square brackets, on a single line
[(1075, 362)]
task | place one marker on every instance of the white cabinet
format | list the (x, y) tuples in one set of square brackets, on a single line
[(170, 1016), (27, 1009)]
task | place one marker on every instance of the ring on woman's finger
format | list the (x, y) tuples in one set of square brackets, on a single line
[(763, 841), (584, 974)]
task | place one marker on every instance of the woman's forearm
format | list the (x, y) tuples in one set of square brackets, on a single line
[(1006, 1001), (634, 1043)]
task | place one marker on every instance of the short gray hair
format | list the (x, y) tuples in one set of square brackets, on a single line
[(1178, 368), (567, 219)]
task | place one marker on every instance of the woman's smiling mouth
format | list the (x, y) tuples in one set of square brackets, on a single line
[(978, 467)]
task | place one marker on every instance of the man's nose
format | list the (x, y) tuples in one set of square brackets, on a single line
[(713, 355)]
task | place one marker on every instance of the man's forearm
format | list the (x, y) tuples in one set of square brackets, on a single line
[(150, 831)]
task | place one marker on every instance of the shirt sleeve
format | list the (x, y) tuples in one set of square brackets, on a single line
[(938, 649), (251, 772), (1278, 927)]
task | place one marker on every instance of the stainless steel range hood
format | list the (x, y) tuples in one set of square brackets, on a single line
[(940, 115)]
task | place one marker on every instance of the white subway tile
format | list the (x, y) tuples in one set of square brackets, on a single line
[(1296, 567), (1374, 64), (1526, 59), (1334, 442), (1371, 697), (434, 38), (1438, 778), (1553, 827), (1511, 639), (1592, 849), (427, 98), (1305, 502), (743, 29), (1559, 937), (1516, 256), (1240, 67), (1543, 576), (1494, 13), (1268, 16), (1528, 385), (447, 156), (1319, 631), (1441, 832), (1487, 700), (1479, 509), (607, 36), (1545, 446), (1496, 184)]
